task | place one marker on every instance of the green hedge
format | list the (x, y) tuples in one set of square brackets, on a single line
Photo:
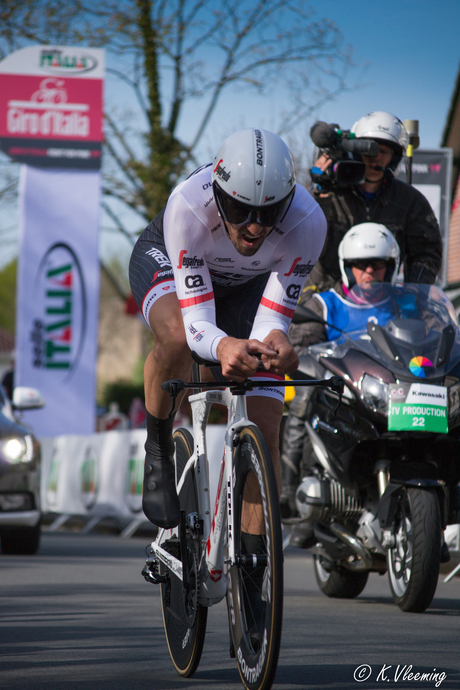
[(122, 392)]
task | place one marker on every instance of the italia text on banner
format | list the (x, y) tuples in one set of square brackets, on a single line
[(58, 296)]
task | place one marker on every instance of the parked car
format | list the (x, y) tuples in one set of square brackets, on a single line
[(20, 513)]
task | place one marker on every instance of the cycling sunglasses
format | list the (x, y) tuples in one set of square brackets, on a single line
[(362, 264), (236, 213)]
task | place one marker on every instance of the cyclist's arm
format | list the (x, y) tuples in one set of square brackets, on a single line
[(300, 251), (186, 236)]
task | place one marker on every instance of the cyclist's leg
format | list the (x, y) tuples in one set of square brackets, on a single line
[(266, 413), (169, 359)]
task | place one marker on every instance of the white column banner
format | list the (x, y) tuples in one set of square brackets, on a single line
[(58, 296)]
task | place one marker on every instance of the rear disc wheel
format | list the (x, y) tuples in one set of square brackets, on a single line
[(255, 582), (183, 616)]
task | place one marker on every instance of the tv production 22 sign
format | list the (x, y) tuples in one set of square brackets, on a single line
[(51, 106)]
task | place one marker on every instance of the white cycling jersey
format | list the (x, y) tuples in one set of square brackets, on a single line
[(201, 253)]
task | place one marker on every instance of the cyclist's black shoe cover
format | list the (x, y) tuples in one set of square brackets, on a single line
[(160, 501)]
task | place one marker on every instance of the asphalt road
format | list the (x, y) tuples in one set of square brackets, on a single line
[(78, 615)]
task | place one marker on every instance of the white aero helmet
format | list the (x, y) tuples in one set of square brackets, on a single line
[(385, 128), (253, 178), (369, 241)]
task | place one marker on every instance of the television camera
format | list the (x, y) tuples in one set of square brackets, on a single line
[(341, 145)]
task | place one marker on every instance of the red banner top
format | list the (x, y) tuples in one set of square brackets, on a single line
[(50, 108)]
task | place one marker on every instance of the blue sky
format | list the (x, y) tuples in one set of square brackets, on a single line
[(412, 52)]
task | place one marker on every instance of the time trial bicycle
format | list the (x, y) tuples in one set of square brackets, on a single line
[(209, 555)]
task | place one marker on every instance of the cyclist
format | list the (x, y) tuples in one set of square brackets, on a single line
[(381, 198), (368, 254), (219, 271)]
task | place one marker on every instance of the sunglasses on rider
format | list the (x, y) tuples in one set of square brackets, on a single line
[(238, 214), (375, 264)]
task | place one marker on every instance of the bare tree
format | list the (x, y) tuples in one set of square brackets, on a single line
[(173, 52)]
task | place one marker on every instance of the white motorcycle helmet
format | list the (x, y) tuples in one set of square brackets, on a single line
[(385, 128), (253, 178), (368, 241)]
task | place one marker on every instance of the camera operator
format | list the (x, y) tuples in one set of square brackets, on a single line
[(356, 184), (379, 197)]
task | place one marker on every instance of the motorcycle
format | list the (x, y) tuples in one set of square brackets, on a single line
[(384, 475)]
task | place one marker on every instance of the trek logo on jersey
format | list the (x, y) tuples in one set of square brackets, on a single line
[(197, 335), (221, 172), (194, 281), (159, 257)]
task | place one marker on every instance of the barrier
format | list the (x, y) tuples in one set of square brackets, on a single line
[(100, 476)]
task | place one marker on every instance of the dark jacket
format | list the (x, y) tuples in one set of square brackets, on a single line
[(402, 209)]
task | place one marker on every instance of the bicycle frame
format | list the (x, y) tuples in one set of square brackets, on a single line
[(211, 525)]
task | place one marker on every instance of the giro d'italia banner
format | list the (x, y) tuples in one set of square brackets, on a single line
[(58, 296), (51, 122), (51, 106)]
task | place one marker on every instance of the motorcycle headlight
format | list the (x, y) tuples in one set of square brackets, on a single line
[(18, 449), (375, 393)]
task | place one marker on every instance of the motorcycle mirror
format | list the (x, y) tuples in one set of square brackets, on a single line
[(303, 314)]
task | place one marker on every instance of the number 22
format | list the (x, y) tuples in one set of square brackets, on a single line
[(418, 421)]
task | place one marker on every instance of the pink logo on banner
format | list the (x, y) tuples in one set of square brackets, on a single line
[(51, 107)]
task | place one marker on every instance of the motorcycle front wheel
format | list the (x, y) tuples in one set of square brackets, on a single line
[(339, 583), (413, 562)]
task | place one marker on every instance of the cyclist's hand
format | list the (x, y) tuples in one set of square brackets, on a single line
[(286, 359), (237, 358)]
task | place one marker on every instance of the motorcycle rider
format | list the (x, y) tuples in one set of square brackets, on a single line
[(368, 254), (381, 198)]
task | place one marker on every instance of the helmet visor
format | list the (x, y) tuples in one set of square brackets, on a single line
[(362, 264), (236, 213)]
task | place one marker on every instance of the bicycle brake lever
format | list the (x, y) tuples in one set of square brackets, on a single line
[(336, 384)]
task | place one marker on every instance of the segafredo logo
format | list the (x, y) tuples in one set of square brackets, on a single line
[(58, 330), (134, 479), (59, 61), (89, 478)]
